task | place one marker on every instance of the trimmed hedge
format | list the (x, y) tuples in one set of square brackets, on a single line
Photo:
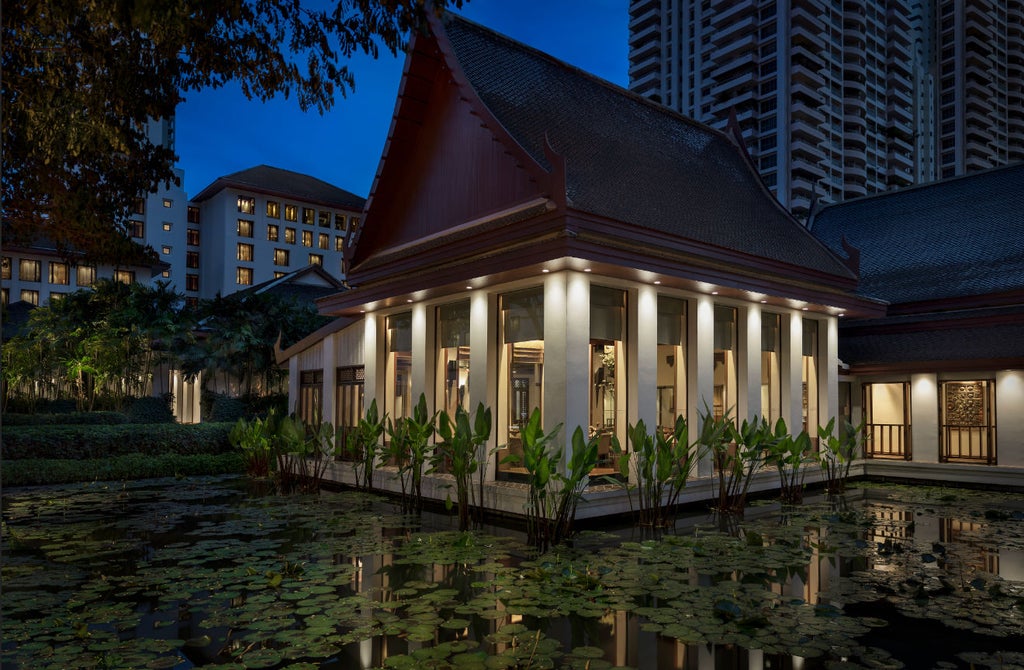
[(78, 442), (74, 418), (151, 410), (39, 471)]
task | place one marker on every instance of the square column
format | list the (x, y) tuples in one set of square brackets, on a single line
[(702, 370), (483, 366), (566, 353), (792, 371), (373, 345), (924, 418), (422, 356), (642, 356), (750, 363), (330, 384)]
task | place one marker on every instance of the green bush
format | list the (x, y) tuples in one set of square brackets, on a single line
[(226, 409), (151, 410), (84, 442), (39, 471), (76, 418)]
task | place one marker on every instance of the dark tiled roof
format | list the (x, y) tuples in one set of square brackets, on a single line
[(629, 159), (954, 238), (267, 179), (293, 286), (971, 343)]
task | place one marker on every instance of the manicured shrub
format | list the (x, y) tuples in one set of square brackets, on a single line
[(226, 409), (84, 442), (39, 471), (75, 418), (151, 410)]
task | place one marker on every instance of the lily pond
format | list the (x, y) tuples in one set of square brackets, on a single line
[(209, 572)]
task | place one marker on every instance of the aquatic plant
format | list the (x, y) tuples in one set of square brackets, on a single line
[(739, 453), (303, 452), (407, 447), (789, 454), (252, 440), (837, 452), (661, 463), (553, 497), (363, 443), (459, 453)]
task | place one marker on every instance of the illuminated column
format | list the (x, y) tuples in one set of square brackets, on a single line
[(483, 362), (642, 340), (574, 364), (373, 383), (1010, 415), (792, 371), (924, 418), (330, 384), (422, 370), (750, 363), (702, 370), (828, 387)]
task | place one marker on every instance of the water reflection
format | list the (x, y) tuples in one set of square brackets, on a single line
[(173, 575)]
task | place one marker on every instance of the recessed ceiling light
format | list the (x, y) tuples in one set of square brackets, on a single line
[(469, 288), (714, 293), (804, 309), (586, 269), (764, 302), (545, 271), (657, 282), (409, 300)]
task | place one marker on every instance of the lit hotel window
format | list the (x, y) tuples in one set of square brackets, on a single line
[(316, 259), (246, 205), (244, 228), (244, 251), (273, 209), (290, 213), (243, 276)]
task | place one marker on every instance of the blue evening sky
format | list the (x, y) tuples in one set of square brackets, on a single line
[(220, 132)]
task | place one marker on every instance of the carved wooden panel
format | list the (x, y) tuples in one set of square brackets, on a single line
[(965, 403)]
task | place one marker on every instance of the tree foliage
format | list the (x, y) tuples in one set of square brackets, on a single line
[(81, 81)]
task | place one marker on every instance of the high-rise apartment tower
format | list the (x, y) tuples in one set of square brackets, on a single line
[(839, 98)]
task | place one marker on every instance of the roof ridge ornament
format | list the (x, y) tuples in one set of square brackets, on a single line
[(560, 191)]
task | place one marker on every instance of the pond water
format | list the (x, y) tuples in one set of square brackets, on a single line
[(207, 572)]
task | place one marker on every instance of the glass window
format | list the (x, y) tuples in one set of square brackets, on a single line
[(280, 257), (316, 259), (311, 388), (192, 237), (324, 219), (348, 399), (453, 357), (278, 274), (136, 229), (168, 226), (273, 209), (5, 267), (191, 282), (289, 235), (244, 252), (324, 241), (30, 296), (191, 259), (244, 228), (339, 243), (887, 420), (165, 250), (725, 373), (810, 378), (124, 276), (398, 391), (243, 276), (168, 203), (140, 206), (607, 371), (85, 275), (291, 213), (339, 222), (308, 215), (29, 270), (5, 297), (193, 214), (968, 429), (60, 273), (307, 238), (771, 367), (246, 204), (520, 372), (272, 232), (671, 379)]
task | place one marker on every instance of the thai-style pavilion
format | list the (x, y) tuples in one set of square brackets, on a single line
[(539, 238)]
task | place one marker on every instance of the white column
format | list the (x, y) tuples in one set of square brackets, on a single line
[(293, 384), (828, 372), (577, 357), (422, 368), (373, 383), (924, 418), (642, 340), (792, 371), (1009, 415), (330, 389), (483, 364), (702, 369), (750, 363)]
